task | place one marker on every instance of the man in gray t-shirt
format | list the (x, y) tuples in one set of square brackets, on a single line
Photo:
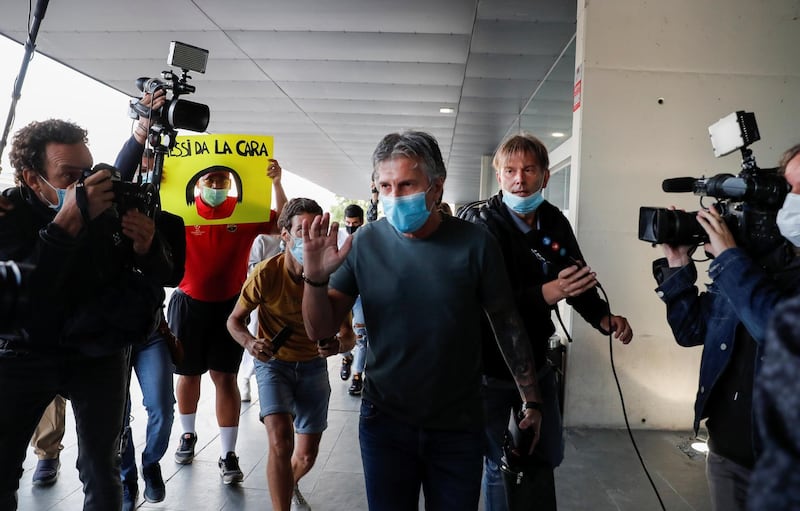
[(425, 282)]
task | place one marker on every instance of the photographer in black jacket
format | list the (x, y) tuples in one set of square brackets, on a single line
[(94, 291)]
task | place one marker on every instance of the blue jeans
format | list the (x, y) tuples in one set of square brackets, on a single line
[(727, 483), (153, 367), (96, 388), (359, 352), (498, 398), (398, 458)]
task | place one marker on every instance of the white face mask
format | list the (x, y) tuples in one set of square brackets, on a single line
[(789, 219)]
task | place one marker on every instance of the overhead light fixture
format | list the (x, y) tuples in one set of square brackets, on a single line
[(557, 134), (446, 110)]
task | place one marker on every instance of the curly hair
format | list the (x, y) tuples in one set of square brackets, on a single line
[(294, 207), (28, 148), (788, 156)]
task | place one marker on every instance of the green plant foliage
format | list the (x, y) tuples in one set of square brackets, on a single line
[(337, 210)]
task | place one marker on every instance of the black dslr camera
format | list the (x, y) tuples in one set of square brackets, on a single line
[(127, 196), (748, 202)]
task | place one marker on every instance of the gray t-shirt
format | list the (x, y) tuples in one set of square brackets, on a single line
[(423, 301)]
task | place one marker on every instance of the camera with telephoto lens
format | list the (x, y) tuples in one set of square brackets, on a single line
[(14, 278), (176, 113), (748, 202), (127, 196)]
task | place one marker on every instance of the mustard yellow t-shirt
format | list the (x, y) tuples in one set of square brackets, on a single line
[(271, 290)]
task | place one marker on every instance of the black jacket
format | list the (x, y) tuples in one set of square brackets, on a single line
[(531, 261), (90, 283)]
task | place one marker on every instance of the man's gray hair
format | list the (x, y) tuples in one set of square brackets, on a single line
[(416, 145)]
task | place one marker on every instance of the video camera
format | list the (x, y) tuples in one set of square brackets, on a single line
[(748, 202), (176, 113), (127, 196)]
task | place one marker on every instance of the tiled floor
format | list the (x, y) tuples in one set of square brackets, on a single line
[(600, 472)]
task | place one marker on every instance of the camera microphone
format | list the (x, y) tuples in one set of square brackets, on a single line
[(767, 189), (678, 184), (721, 186)]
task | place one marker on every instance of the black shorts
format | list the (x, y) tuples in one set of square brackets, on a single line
[(201, 327)]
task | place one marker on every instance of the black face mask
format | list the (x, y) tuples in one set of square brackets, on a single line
[(351, 228)]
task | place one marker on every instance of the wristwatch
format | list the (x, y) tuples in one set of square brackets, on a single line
[(534, 405)]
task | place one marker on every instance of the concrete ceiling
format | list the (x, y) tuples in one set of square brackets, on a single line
[(329, 78)]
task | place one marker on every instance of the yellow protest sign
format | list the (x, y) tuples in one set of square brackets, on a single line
[(242, 158)]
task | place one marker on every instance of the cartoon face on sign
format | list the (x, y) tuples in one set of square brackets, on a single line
[(218, 179), (210, 191)]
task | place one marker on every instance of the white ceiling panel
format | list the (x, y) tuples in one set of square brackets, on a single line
[(446, 94), (364, 72), (412, 16), (361, 46)]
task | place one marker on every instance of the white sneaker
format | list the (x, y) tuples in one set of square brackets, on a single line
[(244, 388), (298, 501)]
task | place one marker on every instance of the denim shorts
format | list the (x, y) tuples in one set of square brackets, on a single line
[(301, 389)]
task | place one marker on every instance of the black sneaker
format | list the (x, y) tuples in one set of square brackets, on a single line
[(130, 490), (185, 453), (356, 386), (154, 489), (229, 469), (46, 472), (345, 371)]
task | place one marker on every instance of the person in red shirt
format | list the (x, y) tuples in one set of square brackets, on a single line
[(216, 267), (213, 187)]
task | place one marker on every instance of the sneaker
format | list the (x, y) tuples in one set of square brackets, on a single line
[(185, 453), (46, 472), (130, 490), (356, 386), (154, 489), (345, 372), (229, 469), (244, 388), (298, 501)]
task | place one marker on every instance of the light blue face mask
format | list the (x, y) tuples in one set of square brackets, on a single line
[(60, 192), (212, 196), (297, 249), (523, 205), (406, 213)]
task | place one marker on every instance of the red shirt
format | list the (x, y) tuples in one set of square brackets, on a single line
[(216, 258), (224, 210)]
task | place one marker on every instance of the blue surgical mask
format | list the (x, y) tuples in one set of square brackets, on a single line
[(523, 205), (406, 213), (213, 197), (60, 192), (297, 249)]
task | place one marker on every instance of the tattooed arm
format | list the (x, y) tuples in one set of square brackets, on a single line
[(516, 349)]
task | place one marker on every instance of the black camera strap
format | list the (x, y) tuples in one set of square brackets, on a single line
[(82, 200)]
